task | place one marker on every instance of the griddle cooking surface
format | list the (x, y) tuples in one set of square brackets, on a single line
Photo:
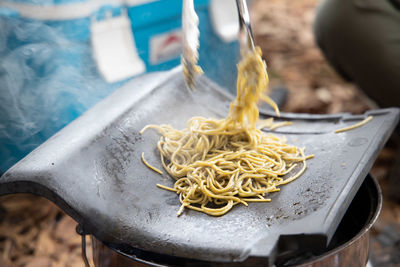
[(92, 169)]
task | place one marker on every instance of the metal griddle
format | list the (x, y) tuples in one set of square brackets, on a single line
[(93, 171)]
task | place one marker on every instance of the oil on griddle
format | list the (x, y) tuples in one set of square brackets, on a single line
[(34, 232)]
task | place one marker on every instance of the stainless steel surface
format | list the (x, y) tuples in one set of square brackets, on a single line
[(246, 40), (190, 22), (93, 170)]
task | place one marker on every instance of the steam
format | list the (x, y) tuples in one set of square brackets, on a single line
[(46, 80)]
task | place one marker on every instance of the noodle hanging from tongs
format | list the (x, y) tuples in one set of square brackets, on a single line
[(219, 163)]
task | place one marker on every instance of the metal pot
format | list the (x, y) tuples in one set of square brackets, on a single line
[(348, 247)]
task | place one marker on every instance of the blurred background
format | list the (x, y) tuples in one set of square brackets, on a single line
[(33, 231)]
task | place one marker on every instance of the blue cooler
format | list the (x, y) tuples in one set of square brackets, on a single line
[(60, 57)]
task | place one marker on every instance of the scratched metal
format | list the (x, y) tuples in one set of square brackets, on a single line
[(92, 169)]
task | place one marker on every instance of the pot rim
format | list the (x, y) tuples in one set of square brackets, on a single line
[(366, 228)]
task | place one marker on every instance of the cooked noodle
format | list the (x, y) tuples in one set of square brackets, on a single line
[(150, 166), (220, 163), (354, 126)]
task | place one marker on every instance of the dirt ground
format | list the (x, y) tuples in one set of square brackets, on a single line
[(34, 232)]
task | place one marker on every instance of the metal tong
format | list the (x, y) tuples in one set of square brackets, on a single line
[(245, 37), (190, 23)]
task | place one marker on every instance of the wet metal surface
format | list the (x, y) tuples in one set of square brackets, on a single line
[(92, 169)]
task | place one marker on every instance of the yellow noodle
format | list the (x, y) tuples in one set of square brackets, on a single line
[(166, 187), (265, 123), (271, 102), (280, 124), (149, 166), (361, 123), (219, 163), (258, 200)]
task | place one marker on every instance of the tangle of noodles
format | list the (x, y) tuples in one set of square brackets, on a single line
[(218, 163)]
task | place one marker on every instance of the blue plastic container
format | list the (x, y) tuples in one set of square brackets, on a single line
[(48, 76)]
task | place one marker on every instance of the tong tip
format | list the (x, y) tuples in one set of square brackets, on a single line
[(190, 70)]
